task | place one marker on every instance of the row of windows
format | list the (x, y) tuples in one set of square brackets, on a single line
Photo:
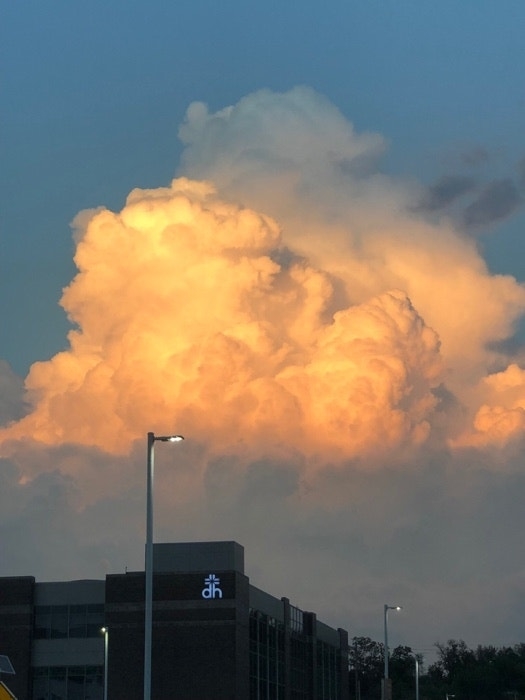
[(266, 657), (68, 683), (300, 663), (267, 662), (328, 665), (296, 619), (64, 621)]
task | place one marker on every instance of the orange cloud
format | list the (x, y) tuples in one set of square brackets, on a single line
[(338, 211), (502, 415), (189, 315), (321, 316)]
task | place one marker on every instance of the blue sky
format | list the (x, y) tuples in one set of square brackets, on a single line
[(431, 98)]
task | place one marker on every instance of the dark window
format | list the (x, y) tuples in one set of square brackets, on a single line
[(77, 621), (266, 657), (42, 621), (57, 683), (68, 683), (59, 622), (63, 621), (94, 620)]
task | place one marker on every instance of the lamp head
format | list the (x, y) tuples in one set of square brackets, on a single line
[(169, 438)]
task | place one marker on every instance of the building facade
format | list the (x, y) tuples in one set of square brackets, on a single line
[(215, 635)]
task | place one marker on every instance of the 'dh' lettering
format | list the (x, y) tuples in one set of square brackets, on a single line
[(211, 589)]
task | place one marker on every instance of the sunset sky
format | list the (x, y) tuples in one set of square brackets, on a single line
[(294, 234)]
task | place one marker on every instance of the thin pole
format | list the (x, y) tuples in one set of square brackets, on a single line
[(386, 686), (386, 640), (148, 619), (417, 676), (106, 649), (356, 671)]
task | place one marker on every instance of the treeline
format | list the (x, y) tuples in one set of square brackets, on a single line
[(484, 673)]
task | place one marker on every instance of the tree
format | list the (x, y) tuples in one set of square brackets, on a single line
[(366, 668), (402, 670), (486, 673), (366, 661)]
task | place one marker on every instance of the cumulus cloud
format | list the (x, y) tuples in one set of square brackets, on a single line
[(187, 318), (357, 225), (336, 361)]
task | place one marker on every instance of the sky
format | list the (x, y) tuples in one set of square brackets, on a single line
[(292, 233)]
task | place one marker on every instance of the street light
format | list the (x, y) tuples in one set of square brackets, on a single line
[(105, 632), (148, 619), (386, 608)]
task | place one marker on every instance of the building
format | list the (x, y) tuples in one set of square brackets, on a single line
[(215, 635)]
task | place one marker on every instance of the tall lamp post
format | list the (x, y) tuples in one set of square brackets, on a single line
[(148, 619), (105, 632), (386, 608)]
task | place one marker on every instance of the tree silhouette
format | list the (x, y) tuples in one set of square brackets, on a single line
[(484, 673)]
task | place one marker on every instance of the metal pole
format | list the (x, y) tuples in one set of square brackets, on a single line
[(386, 641), (106, 649), (417, 676), (148, 619), (386, 685), (356, 671)]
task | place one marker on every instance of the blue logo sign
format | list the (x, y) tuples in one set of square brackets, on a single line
[(211, 589)]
